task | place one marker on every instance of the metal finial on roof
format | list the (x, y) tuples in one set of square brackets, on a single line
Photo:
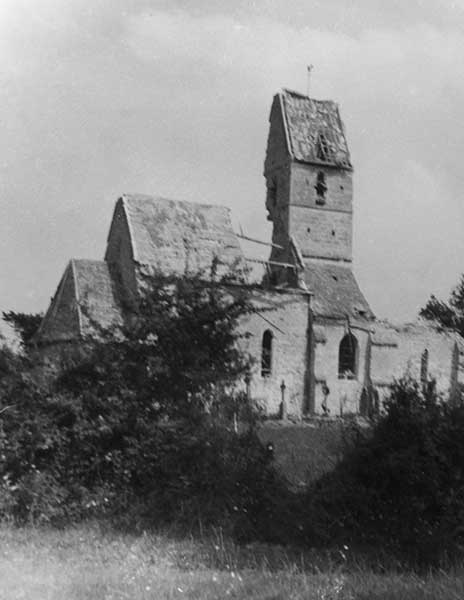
[(309, 68)]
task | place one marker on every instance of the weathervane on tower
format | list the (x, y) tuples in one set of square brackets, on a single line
[(309, 69)]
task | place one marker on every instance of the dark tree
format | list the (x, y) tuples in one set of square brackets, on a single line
[(448, 314), (24, 324), (136, 423), (177, 353)]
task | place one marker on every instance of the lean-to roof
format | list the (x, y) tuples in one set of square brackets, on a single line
[(336, 292)]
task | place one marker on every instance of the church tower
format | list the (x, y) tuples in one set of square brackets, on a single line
[(309, 199), (309, 178)]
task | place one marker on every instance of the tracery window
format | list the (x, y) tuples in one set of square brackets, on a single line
[(348, 357)]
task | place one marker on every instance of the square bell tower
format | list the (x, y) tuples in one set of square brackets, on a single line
[(308, 176)]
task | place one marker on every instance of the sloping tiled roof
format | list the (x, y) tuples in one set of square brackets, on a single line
[(336, 292), (310, 122), (179, 237), (95, 295), (84, 301), (61, 321)]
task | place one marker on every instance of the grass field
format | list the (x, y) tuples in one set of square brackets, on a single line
[(87, 563)]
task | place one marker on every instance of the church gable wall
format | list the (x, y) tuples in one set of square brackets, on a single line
[(61, 323), (288, 315), (119, 256)]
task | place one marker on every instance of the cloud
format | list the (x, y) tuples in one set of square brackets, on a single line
[(400, 98), (106, 97), (413, 59)]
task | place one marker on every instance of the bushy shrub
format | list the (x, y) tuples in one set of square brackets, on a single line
[(402, 486), (66, 458), (141, 423)]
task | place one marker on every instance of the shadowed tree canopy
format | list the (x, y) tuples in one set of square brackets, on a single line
[(174, 354), (448, 314)]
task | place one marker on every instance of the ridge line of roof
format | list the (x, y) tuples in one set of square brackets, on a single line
[(306, 97), (131, 232), (88, 260), (72, 263), (130, 197), (53, 303), (285, 122)]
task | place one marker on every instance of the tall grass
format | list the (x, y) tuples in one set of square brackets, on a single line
[(89, 562)]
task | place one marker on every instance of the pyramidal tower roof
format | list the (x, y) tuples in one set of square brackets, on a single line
[(315, 131)]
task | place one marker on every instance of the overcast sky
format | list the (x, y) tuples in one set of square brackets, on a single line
[(172, 98)]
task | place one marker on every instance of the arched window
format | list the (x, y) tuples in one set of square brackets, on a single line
[(348, 357), (266, 354), (424, 367), (321, 188)]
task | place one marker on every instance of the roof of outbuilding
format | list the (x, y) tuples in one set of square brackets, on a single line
[(310, 123), (336, 292), (178, 237)]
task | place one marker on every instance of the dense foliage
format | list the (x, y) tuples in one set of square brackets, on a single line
[(402, 486), (176, 356), (25, 325), (447, 314), (140, 424)]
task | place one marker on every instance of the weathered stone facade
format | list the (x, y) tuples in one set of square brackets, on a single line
[(318, 347)]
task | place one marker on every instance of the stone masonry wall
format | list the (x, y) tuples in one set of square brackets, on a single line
[(277, 206), (344, 394), (119, 256), (339, 195), (389, 362), (321, 229), (288, 313), (277, 154), (321, 233), (62, 319), (277, 174)]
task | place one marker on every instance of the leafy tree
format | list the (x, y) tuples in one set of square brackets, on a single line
[(447, 314), (177, 353), (402, 486), (24, 324), (139, 422)]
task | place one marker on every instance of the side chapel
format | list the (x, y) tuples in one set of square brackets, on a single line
[(318, 346)]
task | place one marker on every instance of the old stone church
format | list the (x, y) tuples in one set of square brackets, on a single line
[(316, 341)]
